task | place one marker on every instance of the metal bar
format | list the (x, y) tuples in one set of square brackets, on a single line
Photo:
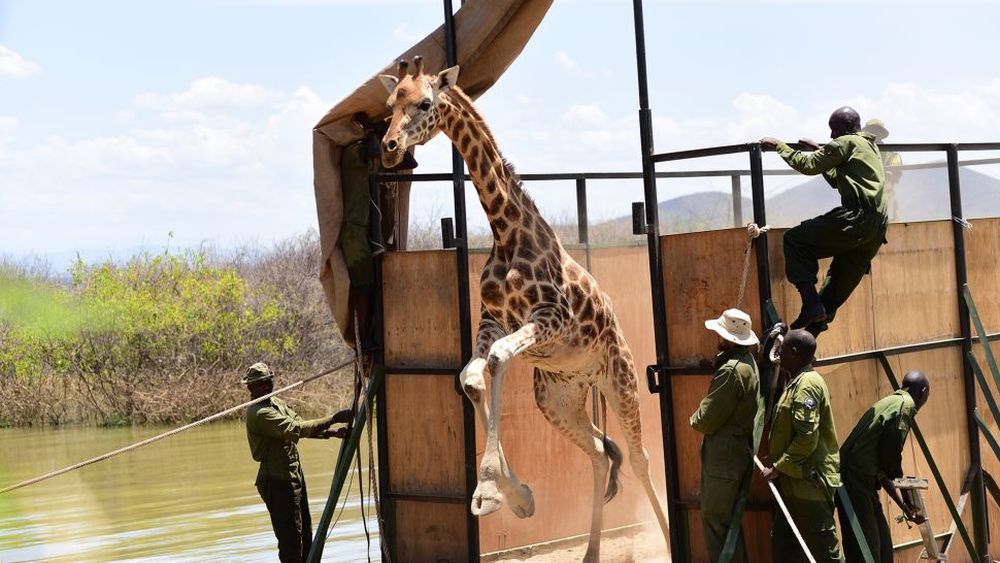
[(344, 457), (978, 146), (410, 370), (737, 190), (420, 497), (760, 217), (582, 219), (699, 153), (464, 304), (915, 428), (678, 523), (567, 176), (978, 491)]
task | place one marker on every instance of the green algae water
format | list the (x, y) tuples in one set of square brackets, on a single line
[(189, 497)]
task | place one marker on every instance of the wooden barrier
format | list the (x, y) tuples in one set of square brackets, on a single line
[(910, 297)]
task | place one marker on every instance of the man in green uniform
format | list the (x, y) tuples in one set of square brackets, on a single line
[(727, 417), (803, 453), (891, 161), (852, 233), (871, 458), (272, 430)]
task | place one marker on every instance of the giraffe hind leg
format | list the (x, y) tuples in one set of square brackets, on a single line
[(620, 389), (563, 403)]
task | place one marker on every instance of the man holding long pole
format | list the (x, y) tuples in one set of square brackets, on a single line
[(805, 458)]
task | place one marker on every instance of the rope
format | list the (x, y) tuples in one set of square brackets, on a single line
[(753, 231), (788, 516), (156, 438)]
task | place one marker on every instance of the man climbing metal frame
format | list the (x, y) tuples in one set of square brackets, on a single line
[(851, 233)]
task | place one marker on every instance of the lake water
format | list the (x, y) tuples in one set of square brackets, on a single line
[(189, 497)]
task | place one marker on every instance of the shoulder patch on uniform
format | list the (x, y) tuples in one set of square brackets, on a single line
[(810, 403)]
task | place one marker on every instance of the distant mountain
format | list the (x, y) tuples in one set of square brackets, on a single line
[(920, 195)]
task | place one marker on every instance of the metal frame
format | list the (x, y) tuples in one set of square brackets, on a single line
[(646, 220)]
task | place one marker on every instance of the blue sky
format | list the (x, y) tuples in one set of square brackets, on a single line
[(121, 122)]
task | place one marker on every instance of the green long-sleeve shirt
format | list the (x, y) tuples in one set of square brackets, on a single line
[(273, 428), (875, 447), (803, 444), (851, 164), (727, 414)]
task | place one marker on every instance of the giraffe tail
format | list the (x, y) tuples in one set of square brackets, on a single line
[(614, 453)]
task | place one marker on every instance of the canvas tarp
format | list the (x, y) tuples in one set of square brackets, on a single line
[(489, 35)]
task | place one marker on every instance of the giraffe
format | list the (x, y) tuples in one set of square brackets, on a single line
[(536, 302)]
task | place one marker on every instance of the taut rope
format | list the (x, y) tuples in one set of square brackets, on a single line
[(753, 231)]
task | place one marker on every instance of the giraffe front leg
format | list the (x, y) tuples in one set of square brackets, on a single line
[(505, 484), (541, 326)]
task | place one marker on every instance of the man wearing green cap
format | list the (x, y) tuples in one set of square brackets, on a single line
[(727, 416), (852, 233), (273, 428), (804, 456), (871, 458)]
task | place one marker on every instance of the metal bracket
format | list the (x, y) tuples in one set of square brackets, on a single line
[(639, 226), (654, 377)]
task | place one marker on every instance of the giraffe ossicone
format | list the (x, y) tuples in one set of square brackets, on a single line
[(537, 302)]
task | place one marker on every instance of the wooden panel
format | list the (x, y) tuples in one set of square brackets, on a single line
[(914, 285), (991, 464), (756, 534), (426, 436), (982, 250), (430, 531), (427, 334), (701, 279), (852, 331)]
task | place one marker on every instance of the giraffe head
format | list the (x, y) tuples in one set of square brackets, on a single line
[(414, 100)]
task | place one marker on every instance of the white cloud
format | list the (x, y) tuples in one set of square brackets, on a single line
[(14, 65), (565, 62), (403, 33), (238, 172), (584, 114), (210, 92)]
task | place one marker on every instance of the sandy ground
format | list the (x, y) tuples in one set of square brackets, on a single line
[(645, 545)]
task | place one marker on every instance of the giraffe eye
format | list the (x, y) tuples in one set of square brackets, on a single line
[(424, 105)]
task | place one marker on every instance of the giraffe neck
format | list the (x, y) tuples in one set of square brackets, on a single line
[(508, 208)]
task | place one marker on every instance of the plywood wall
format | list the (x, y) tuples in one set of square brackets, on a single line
[(909, 297), (423, 411)]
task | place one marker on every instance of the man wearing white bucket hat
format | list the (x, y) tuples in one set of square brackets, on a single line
[(727, 417)]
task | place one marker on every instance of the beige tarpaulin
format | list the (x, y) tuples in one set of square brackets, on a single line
[(489, 34)]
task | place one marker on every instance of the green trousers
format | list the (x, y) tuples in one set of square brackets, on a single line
[(852, 237), (815, 521), (868, 509), (288, 505), (718, 497)]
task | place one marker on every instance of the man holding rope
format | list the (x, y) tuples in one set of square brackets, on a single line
[(273, 428), (805, 458), (727, 417)]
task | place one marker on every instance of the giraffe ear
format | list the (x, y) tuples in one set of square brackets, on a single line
[(389, 82), (446, 79)]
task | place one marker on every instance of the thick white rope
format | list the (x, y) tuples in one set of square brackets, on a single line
[(753, 231), (158, 437)]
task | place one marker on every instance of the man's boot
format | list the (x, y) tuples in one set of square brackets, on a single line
[(812, 307)]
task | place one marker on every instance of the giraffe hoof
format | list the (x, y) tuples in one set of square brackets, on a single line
[(486, 500), (592, 556), (522, 502)]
